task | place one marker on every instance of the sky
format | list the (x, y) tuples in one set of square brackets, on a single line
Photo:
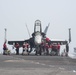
[(16, 14)]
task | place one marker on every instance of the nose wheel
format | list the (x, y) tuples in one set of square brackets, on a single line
[(38, 50)]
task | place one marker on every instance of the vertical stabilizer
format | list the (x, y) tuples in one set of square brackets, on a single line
[(28, 30), (45, 31)]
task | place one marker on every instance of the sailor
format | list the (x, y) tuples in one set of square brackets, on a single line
[(67, 49), (25, 47), (28, 46), (17, 48), (47, 51), (54, 49), (4, 48), (58, 49)]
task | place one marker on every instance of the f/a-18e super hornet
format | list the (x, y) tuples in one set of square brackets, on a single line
[(38, 37)]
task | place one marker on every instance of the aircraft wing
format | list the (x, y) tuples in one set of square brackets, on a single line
[(61, 42), (30, 41), (20, 42)]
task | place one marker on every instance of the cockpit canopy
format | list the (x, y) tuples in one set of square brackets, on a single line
[(37, 27)]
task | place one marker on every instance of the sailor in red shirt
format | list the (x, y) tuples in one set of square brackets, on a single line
[(47, 46), (58, 49), (4, 48), (25, 47), (54, 49)]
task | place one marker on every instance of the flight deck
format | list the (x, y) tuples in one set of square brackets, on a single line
[(36, 65)]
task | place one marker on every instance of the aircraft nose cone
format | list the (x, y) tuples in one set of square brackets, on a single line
[(38, 39)]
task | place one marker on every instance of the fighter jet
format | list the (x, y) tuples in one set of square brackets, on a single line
[(38, 37)]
